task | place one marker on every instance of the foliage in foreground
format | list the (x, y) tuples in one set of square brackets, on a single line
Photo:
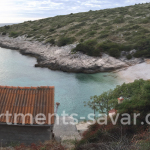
[(136, 97), (136, 100), (50, 145), (110, 137)]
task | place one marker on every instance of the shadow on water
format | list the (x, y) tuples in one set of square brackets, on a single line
[(97, 77)]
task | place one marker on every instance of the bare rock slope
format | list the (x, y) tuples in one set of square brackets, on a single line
[(61, 58)]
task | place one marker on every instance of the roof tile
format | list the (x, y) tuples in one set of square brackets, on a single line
[(26, 100)]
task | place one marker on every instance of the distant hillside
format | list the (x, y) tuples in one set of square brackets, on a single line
[(128, 26)]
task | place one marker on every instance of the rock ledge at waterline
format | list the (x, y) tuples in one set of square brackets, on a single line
[(61, 58)]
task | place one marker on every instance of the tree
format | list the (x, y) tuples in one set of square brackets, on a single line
[(136, 98), (102, 103)]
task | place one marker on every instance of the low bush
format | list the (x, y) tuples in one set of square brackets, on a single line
[(88, 47), (91, 33), (51, 41), (14, 34), (144, 53), (119, 20), (65, 40), (3, 33), (95, 26), (92, 48), (51, 30), (29, 35), (106, 24), (142, 47), (101, 20), (81, 32), (77, 26), (129, 56), (50, 145), (126, 33), (145, 21), (81, 40), (7, 27), (104, 34), (114, 52)]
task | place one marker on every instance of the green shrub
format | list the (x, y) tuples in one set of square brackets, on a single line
[(7, 27), (95, 26), (51, 41), (91, 43), (142, 53), (114, 52), (64, 41), (81, 40), (101, 20), (81, 32), (51, 30), (126, 33), (14, 34), (106, 46), (119, 20), (3, 33), (106, 24), (145, 21), (77, 26), (104, 34), (58, 26), (82, 48), (29, 35), (143, 47), (91, 33), (91, 48), (129, 56), (108, 28), (134, 27), (88, 47)]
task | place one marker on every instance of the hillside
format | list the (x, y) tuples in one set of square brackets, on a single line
[(126, 26)]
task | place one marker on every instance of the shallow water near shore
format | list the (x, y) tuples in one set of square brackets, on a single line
[(71, 89)]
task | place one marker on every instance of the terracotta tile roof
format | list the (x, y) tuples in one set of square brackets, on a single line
[(26, 100)]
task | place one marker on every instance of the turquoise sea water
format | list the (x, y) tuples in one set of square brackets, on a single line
[(71, 89)]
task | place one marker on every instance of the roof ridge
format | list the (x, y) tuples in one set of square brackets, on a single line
[(26, 87)]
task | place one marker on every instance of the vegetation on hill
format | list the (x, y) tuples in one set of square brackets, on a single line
[(133, 135), (125, 26)]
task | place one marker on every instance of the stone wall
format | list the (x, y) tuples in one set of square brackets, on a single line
[(24, 134)]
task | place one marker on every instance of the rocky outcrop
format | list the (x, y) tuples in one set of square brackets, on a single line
[(61, 58)]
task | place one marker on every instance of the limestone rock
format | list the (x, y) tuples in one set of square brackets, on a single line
[(61, 58)]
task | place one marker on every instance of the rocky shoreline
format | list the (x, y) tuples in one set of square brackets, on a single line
[(61, 58)]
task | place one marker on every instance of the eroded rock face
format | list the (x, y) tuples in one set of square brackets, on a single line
[(61, 58)]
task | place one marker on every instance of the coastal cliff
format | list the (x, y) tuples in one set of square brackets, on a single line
[(61, 58)]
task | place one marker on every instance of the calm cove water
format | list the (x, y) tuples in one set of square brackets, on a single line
[(71, 89)]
